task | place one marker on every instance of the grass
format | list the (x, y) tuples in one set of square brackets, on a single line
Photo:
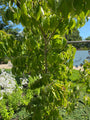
[(75, 75), (7, 70), (81, 112)]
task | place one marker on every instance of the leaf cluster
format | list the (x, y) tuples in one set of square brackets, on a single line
[(44, 52)]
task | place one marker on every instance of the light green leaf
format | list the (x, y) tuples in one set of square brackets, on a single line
[(24, 9)]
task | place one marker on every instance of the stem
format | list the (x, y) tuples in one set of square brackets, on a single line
[(54, 31), (46, 41), (45, 50), (45, 53), (43, 33)]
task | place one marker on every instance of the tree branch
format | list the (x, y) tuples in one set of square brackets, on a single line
[(43, 33), (54, 31), (45, 49), (18, 3)]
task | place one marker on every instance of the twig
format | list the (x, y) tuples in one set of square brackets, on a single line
[(45, 50), (54, 31)]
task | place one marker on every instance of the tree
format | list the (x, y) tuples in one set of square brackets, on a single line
[(7, 26), (9, 29), (88, 38), (74, 36), (44, 51), (86, 44)]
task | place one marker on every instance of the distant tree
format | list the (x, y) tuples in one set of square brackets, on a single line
[(74, 36), (7, 26), (88, 38), (9, 29), (86, 44)]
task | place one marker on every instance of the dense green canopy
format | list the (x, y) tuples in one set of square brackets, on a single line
[(44, 53)]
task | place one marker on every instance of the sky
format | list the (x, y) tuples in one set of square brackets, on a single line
[(20, 27), (85, 30)]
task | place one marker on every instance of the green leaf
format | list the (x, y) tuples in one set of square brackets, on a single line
[(46, 23), (39, 12), (51, 4), (24, 9)]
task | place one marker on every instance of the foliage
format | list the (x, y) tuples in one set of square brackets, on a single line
[(84, 83), (44, 53), (86, 44), (9, 104), (3, 60), (74, 36), (87, 76), (75, 75), (88, 38), (21, 115), (14, 98), (7, 70), (8, 28), (16, 104), (81, 112), (7, 83), (81, 79)]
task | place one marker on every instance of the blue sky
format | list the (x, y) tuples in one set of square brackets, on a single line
[(20, 27), (85, 30)]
